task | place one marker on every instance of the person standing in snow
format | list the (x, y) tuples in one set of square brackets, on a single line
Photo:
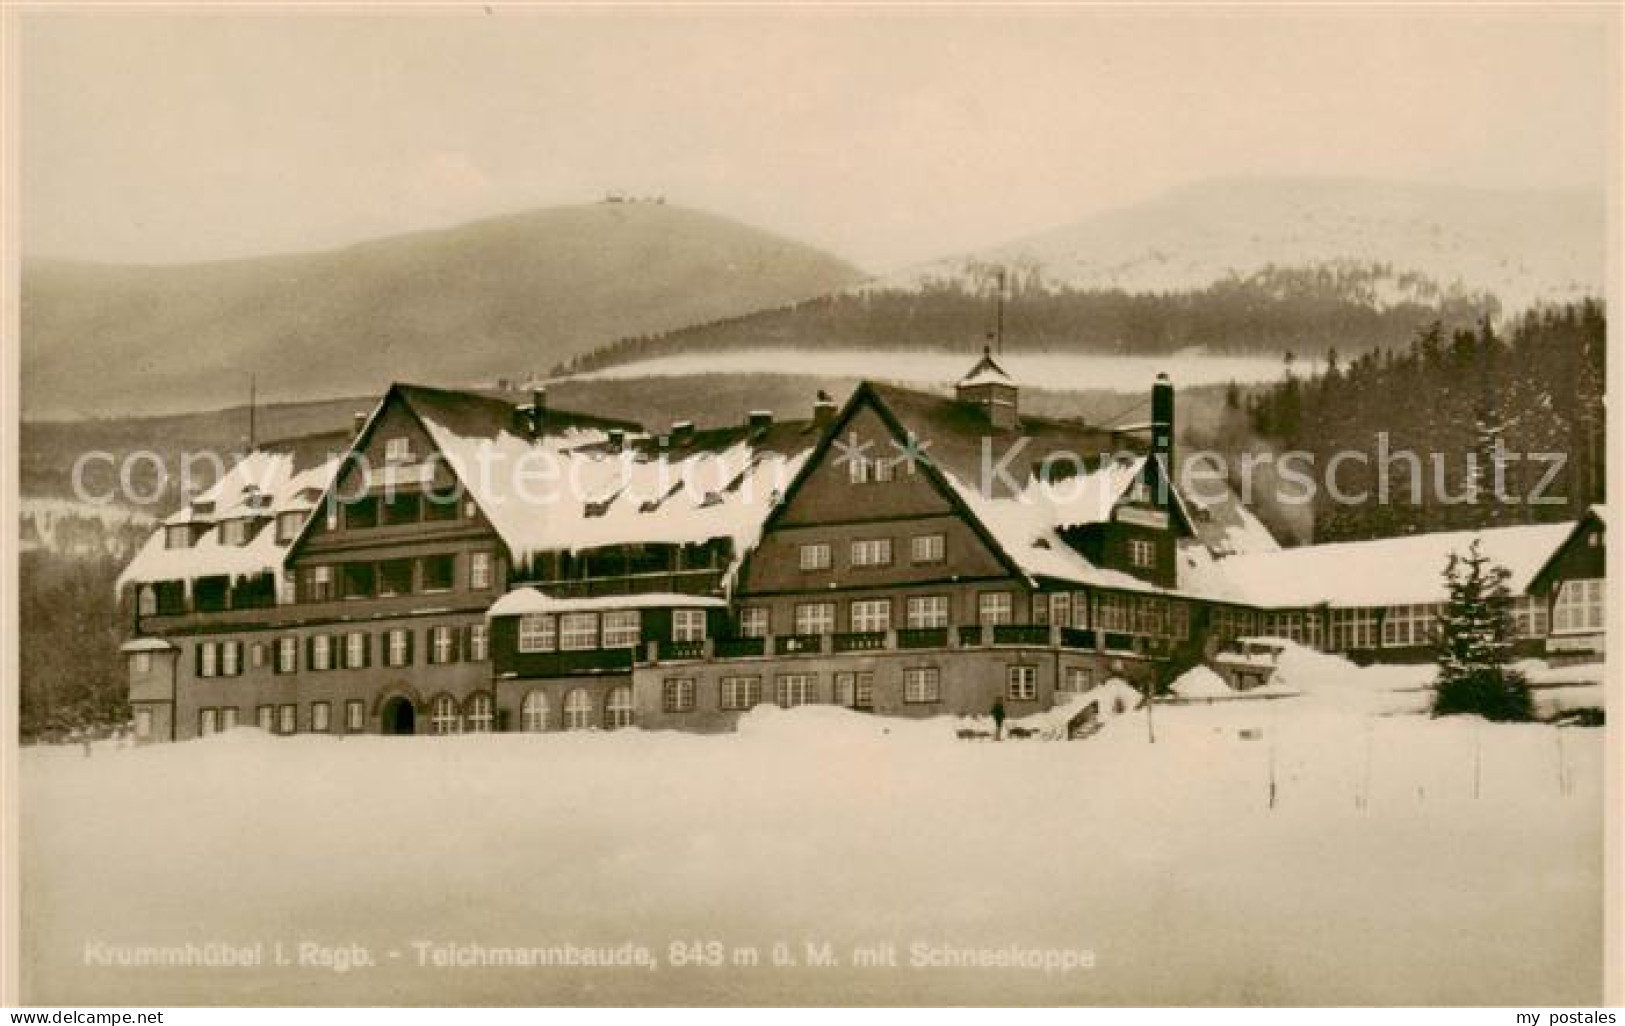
[(998, 719)]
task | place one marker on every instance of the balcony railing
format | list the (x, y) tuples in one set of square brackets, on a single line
[(797, 644), (733, 648), (860, 641), (923, 637), (676, 650), (970, 635), (1077, 637), (1020, 634), (680, 582)]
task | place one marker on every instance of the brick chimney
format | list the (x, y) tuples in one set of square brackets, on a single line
[(823, 411), (759, 421)]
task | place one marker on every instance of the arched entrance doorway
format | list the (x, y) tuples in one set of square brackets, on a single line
[(399, 716)]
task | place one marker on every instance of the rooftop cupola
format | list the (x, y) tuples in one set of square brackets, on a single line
[(990, 389)]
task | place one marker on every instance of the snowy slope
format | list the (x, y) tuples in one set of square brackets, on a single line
[(1520, 246)]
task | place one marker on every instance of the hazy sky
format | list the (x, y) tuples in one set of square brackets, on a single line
[(886, 137)]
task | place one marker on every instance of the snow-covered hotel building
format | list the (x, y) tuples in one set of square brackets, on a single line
[(462, 564)]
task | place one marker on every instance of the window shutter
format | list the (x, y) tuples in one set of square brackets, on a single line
[(238, 645), (310, 651), (411, 640), (197, 659), (366, 651), (456, 654), (383, 648)]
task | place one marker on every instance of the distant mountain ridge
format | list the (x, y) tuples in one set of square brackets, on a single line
[(500, 297), (1428, 240)]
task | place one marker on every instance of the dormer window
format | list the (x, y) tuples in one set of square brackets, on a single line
[(398, 450), (234, 532), (178, 536), (287, 526)]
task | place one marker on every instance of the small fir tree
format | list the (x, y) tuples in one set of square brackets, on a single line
[(1475, 643)]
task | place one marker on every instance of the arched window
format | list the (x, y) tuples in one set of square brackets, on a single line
[(577, 710), (443, 718), (147, 601), (533, 714), (477, 713), (618, 708)]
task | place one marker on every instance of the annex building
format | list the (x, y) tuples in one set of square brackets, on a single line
[(459, 563)]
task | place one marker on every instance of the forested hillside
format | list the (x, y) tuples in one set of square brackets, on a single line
[(1309, 312), (1449, 396)]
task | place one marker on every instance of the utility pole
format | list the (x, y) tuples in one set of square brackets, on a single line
[(998, 316), (251, 384)]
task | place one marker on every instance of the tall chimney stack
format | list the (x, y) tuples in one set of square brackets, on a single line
[(538, 412), (358, 421), (1162, 419), (823, 411)]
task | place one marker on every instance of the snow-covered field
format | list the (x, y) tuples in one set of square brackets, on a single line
[(1075, 370), (1404, 860)]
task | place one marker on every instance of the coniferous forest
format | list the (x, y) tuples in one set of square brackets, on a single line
[(1525, 397)]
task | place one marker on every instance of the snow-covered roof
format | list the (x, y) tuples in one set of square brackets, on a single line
[(531, 600), (146, 645), (280, 475), (1381, 572), (573, 488)]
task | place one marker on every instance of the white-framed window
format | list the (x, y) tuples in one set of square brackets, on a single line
[(287, 719), (444, 717), (688, 625), (928, 548), (146, 601), (885, 469), (815, 556), (321, 715), (208, 661), (1179, 618), (618, 707), (815, 618), (1402, 626), (1352, 629), (234, 532), (922, 684), (1021, 683), (578, 632), (228, 718), (995, 607), (1579, 607), (1114, 613), (142, 662), (257, 655), (795, 689), (858, 469), (143, 723), (177, 536), (739, 693), (265, 718), (871, 552), (578, 710), (623, 628), (1078, 678), (398, 450), (677, 694), (538, 632), (231, 659), (926, 612), (355, 650), (319, 586), (479, 713), (533, 713), (208, 722), (1142, 553), (1529, 616), (871, 615), (355, 716), (398, 647), (442, 644), (754, 622), (479, 642), (479, 570)]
